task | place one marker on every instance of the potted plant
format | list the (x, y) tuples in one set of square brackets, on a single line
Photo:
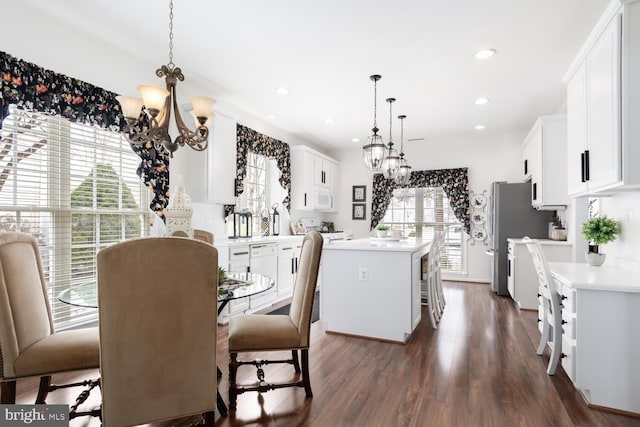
[(382, 230), (598, 231)]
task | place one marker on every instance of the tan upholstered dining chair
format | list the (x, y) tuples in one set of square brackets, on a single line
[(29, 345), (266, 332), (204, 235), (158, 321)]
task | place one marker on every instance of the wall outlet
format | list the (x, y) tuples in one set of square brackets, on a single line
[(363, 273)]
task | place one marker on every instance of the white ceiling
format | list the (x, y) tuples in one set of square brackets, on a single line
[(241, 51)]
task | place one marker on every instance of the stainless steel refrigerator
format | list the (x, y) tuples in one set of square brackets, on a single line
[(510, 215)]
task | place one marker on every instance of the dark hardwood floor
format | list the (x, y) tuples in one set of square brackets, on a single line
[(479, 368)]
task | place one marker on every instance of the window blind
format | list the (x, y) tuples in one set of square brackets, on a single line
[(420, 213), (74, 187)]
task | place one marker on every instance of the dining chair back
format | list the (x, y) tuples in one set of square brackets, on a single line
[(29, 344), (204, 235), (157, 306), (277, 332), (551, 307)]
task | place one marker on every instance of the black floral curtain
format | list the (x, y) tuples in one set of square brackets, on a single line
[(454, 183), (250, 141), (34, 88)]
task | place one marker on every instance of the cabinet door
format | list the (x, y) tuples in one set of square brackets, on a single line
[(321, 171), (603, 109), (302, 180), (576, 130), (333, 175), (286, 270), (221, 161), (535, 158)]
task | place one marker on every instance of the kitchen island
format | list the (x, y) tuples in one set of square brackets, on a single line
[(371, 287)]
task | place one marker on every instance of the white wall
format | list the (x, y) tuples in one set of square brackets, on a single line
[(489, 158), (625, 208)]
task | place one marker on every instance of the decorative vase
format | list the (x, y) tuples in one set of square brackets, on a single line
[(594, 259)]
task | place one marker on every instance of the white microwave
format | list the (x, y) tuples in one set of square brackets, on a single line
[(323, 198)]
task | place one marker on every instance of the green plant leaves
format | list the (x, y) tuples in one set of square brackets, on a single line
[(600, 230)]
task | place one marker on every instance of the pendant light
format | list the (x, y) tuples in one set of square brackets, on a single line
[(373, 153), (404, 171), (391, 162)]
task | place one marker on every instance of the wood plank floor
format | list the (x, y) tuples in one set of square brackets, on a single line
[(479, 368)]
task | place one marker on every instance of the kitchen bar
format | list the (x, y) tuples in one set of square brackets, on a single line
[(371, 287)]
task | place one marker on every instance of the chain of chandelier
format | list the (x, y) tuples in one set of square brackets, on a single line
[(158, 102), (381, 157)]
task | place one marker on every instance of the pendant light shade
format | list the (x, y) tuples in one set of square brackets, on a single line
[(374, 152), (391, 162), (404, 171)]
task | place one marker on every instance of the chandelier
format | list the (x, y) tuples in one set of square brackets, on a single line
[(373, 153), (158, 102), (404, 171), (391, 162)]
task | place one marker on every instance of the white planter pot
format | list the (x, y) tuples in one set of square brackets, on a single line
[(594, 259), (381, 233)]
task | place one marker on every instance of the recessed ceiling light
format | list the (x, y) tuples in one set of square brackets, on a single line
[(282, 91), (355, 139), (485, 53), (329, 121), (271, 116), (481, 101), (479, 127)]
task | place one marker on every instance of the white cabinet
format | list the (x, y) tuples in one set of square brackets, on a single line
[(288, 259), (545, 158), (603, 96), (221, 161), (600, 346), (522, 281), (234, 259), (314, 180), (322, 171)]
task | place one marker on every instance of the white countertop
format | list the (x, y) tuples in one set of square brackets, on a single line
[(518, 241), (372, 244), (604, 278), (257, 240)]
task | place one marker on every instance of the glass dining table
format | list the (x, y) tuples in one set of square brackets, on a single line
[(236, 286)]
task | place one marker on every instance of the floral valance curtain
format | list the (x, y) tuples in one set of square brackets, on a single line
[(454, 183), (34, 88), (250, 141)]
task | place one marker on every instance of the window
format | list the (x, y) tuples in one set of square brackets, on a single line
[(254, 196), (74, 187), (420, 212), (261, 190)]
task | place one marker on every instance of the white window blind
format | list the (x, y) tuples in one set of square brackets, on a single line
[(74, 187), (254, 197), (420, 212)]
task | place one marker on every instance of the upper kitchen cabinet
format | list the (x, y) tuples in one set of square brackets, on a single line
[(603, 96), (221, 164), (314, 180), (545, 158)]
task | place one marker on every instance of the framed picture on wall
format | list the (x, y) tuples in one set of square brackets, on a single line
[(359, 193), (359, 211)]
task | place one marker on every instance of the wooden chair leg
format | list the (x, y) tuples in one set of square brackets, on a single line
[(209, 419), (43, 391), (233, 367), (305, 372), (296, 363), (8, 392)]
